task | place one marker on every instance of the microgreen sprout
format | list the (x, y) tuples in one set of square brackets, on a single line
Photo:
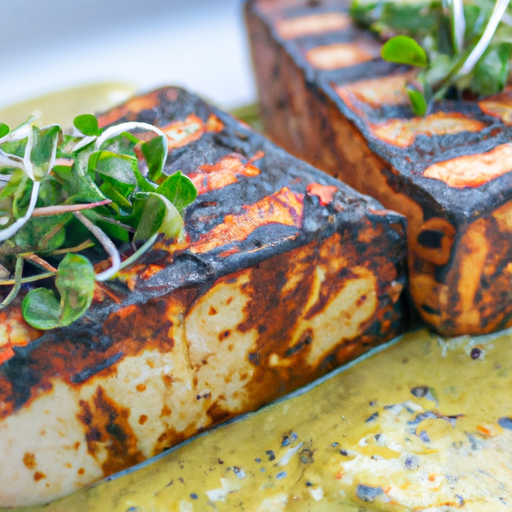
[(89, 192), (461, 47)]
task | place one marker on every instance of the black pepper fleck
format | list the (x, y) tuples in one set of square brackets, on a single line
[(420, 391), (373, 417)]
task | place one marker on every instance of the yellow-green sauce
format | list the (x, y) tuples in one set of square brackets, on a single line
[(425, 424)]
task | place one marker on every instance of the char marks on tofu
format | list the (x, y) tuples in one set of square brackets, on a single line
[(286, 273), (326, 97)]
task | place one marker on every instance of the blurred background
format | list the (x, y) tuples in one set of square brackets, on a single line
[(137, 44)]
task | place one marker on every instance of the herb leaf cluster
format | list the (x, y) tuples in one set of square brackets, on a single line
[(461, 47), (93, 190)]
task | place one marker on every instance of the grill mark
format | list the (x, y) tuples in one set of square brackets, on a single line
[(138, 323), (106, 427), (87, 373)]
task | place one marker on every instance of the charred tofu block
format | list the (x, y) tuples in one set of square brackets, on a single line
[(285, 274), (327, 97)]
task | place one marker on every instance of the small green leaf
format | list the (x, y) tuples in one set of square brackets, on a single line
[(13, 184), (87, 124), (138, 201), (492, 70), (121, 171), (44, 149), (15, 147), (387, 17), (418, 102), (117, 170), (78, 184), (21, 197), (50, 192), (122, 144), (159, 216), (143, 183), (113, 230), (154, 153), (4, 130), (404, 50), (179, 189), (116, 196), (75, 283), (40, 228), (41, 309)]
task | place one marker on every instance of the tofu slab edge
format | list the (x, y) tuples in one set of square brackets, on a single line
[(286, 274), (327, 97)]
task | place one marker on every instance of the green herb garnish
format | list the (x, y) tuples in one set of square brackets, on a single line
[(91, 191), (459, 46)]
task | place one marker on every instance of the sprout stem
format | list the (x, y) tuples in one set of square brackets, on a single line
[(483, 43), (140, 251), (77, 248), (17, 283), (27, 162), (115, 130), (47, 211), (30, 279), (107, 244), (34, 258), (84, 142), (459, 24), (116, 223)]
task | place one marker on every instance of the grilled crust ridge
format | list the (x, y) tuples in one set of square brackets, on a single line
[(447, 172), (286, 273)]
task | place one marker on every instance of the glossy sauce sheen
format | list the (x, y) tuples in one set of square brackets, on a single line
[(286, 273)]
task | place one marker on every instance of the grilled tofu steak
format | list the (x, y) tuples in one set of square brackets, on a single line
[(285, 274), (328, 97)]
